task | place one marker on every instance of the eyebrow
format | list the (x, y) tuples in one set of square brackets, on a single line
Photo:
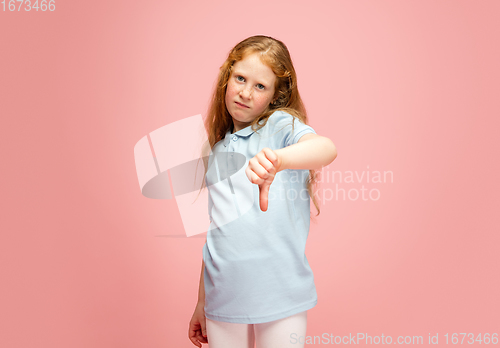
[(236, 72)]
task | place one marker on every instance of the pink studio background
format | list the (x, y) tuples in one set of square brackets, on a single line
[(409, 87)]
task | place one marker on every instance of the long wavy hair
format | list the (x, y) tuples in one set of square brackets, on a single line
[(286, 98)]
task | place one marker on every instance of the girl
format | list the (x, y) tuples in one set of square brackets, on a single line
[(256, 284)]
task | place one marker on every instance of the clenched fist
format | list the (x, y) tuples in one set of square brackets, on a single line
[(261, 171)]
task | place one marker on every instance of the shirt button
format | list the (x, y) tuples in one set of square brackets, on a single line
[(235, 138)]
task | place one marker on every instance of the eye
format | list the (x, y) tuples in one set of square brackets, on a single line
[(241, 79)]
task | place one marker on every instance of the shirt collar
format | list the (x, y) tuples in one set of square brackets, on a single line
[(241, 133)]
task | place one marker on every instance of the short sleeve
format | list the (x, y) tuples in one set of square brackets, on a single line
[(282, 124)]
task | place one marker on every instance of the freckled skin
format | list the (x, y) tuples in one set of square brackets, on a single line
[(251, 83)]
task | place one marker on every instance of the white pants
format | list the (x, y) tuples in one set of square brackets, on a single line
[(282, 333)]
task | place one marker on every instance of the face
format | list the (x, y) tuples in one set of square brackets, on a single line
[(250, 90)]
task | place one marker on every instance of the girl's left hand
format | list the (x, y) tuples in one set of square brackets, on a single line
[(261, 171)]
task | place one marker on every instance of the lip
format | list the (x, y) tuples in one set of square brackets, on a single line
[(242, 105)]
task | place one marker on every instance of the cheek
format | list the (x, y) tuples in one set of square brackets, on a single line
[(262, 100), (230, 91)]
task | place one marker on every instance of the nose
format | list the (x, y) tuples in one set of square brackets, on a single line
[(246, 92)]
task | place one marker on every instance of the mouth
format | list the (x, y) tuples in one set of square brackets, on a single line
[(242, 105)]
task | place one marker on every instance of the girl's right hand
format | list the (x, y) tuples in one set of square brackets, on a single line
[(197, 326), (261, 170)]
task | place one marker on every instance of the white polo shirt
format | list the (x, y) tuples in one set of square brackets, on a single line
[(256, 269)]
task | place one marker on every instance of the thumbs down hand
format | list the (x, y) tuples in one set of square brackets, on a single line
[(261, 171)]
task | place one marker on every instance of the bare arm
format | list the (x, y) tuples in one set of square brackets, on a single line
[(312, 151), (201, 291), (197, 332)]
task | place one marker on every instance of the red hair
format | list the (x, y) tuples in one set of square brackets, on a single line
[(286, 98)]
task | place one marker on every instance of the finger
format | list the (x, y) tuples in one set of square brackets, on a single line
[(263, 195), (271, 156), (204, 328), (253, 177), (258, 165), (195, 342), (191, 332), (195, 335), (267, 159), (199, 336), (201, 339)]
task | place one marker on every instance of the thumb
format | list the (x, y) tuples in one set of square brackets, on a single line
[(264, 196), (204, 329)]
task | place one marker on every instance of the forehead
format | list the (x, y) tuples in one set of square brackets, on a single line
[(253, 65)]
